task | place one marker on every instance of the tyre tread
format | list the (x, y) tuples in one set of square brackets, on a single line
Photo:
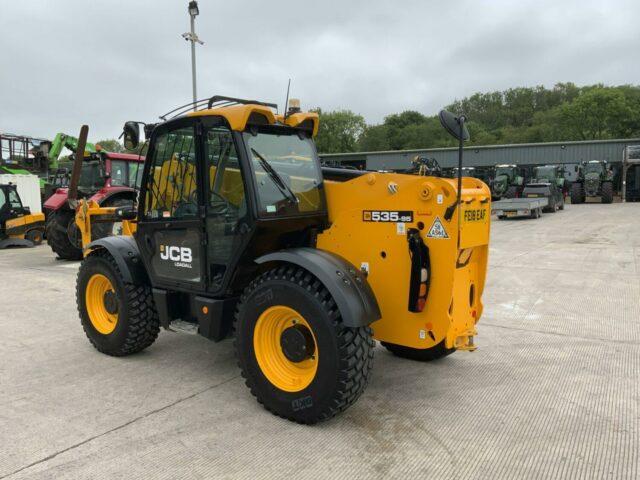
[(356, 345)]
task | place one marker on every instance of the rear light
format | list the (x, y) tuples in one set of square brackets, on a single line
[(420, 274)]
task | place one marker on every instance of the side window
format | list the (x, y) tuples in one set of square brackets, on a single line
[(172, 186), (3, 199), (226, 188), (14, 199), (134, 174), (118, 173)]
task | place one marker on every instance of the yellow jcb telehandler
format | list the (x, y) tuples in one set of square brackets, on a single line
[(239, 231)]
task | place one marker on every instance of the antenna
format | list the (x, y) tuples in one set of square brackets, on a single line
[(286, 102)]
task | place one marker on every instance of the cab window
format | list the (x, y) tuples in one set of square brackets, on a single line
[(14, 199), (171, 190), (119, 173)]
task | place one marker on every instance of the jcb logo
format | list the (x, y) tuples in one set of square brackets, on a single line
[(175, 254)]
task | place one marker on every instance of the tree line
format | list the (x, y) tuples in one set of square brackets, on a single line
[(518, 115), (564, 112)]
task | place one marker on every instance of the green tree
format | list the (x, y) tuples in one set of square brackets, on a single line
[(111, 145), (597, 113), (339, 131)]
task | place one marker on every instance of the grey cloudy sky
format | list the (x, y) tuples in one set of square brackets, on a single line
[(68, 62)]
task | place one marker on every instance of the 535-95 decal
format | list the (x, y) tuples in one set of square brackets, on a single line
[(405, 216)]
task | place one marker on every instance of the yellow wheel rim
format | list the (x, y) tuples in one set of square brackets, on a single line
[(103, 319), (282, 372)]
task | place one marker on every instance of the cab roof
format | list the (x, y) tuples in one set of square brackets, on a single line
[(240, 113)]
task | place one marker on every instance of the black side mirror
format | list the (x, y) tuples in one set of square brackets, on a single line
[(26, 210), (451, 124), (131, 134)]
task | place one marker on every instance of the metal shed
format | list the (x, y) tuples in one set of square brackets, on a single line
[(479, 156)]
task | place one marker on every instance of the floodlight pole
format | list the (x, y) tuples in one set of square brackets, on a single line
[(193, 38)]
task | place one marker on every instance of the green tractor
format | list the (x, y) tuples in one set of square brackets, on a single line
[(507, 182), (554, 176), (595, 180)]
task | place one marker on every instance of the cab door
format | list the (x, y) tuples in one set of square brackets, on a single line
[(170, 227), (227, 216)]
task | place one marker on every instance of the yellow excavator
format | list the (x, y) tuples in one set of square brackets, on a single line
[(239, 231)]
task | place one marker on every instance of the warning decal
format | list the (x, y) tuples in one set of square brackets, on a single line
[(437, 230)]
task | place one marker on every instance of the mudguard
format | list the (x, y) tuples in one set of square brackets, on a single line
[(346, 283), (124, 251)]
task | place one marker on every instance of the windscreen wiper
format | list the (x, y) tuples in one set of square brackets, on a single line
[(277, 179)]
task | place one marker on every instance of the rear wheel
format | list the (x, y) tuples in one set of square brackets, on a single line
[(512, 192), (297, 356), (607, 192), (561, 206), (119, 318), (551, 207), (63, 235), (422, 355), (34, 236)]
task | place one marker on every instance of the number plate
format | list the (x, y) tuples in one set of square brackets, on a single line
[(474, 215), (512, 214), (533, 195), (394, 216)]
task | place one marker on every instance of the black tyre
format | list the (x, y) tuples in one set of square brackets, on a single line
[(63, 235), (561, 206), (421, 355), (501, 217), (551, 207), (512, 192), (607, 192), (34, 236), (118, 318), (577, 193), (298, 358)]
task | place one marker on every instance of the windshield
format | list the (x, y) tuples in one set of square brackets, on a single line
[(546, 173), (287, 172), (593, 168), (90, 176), (504, 171)]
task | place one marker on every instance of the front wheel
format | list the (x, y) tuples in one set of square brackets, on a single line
[(577, 193), (34, 236), (607, 192), (63, 235), (119, 318), (419, 354), (298, 358)]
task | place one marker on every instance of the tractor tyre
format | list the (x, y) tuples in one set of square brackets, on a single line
[(34, 236), (512, 192), (551, 207), (119, 318), (577, 193), (63, 235), (419, 354), (607, 192), (561, 206), (298, 358)]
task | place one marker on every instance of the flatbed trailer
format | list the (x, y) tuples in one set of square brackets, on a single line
[(519, 207)]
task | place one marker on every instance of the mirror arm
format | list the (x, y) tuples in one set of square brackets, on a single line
[(451, 208)]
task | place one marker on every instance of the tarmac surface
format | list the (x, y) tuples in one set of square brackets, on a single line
[(552, 391)]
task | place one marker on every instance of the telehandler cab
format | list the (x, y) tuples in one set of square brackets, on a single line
[(238, 230)]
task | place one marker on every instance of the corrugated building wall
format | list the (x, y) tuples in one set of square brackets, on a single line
[(478, 156)]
